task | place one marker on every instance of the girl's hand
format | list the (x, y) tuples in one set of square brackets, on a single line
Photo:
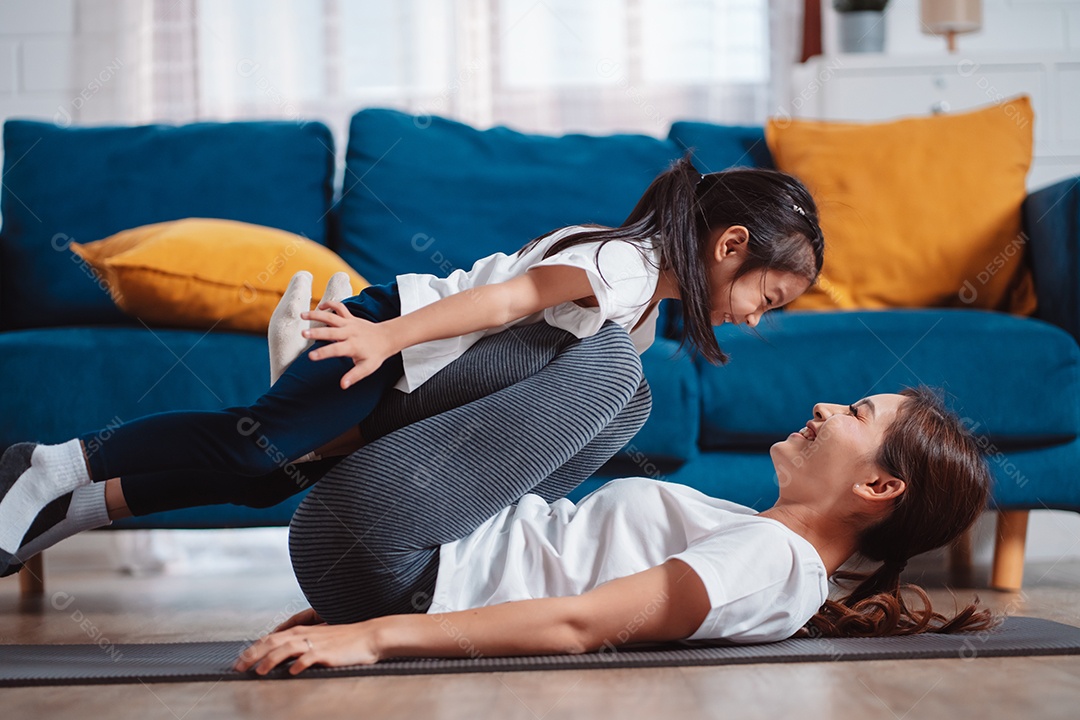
[(304, 617), (367, 343), (331, 646)]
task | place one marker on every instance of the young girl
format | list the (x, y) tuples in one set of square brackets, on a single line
[(729, 245)]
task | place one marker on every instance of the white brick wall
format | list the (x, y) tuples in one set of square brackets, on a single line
[(7, 67), (37, 17), (54, 55), (36, 43)]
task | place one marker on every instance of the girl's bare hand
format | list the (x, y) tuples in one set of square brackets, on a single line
[(330, 646), (304, 617), (366, 343)]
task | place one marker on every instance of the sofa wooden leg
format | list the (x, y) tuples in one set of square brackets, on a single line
[(960, 572), (32, 576), (1008, 572)]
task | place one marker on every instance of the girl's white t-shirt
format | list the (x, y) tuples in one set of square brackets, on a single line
[(764, 581), (623, 280)]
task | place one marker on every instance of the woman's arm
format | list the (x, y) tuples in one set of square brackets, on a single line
[(667, 602), (487, 306)]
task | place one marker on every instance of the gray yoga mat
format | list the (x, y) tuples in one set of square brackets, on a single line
[(89, 664)]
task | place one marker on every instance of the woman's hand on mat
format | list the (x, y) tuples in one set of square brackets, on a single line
[(304, 617), (367, 343), (329, 645)]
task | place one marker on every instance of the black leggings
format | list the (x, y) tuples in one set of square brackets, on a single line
[(304, 409)]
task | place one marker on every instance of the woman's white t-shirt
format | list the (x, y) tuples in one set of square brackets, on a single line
[(764, 581), (623, 280)]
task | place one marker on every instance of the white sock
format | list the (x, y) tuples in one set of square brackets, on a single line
[(54, 470), (338, 288), (283, 335), (87, 511)]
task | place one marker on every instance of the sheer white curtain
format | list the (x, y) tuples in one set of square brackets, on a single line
[(536, 65)]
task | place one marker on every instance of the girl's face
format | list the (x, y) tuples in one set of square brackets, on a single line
[(744, 300)]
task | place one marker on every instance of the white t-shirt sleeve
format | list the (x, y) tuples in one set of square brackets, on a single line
[(623, 281), (761, 589)]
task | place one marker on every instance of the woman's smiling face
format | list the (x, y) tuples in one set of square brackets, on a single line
[(836, 450)]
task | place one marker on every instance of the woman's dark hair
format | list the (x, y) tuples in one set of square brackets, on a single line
[(947, 485), (681, 209)]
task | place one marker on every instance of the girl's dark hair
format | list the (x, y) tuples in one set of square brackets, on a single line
[(681, 209), (947, 485)]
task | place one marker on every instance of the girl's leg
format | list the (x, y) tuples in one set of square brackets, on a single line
[(366, 538), (172, 490), (303, 410), (496, 362)]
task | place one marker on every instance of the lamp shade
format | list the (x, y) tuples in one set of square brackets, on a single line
[(944, 17)]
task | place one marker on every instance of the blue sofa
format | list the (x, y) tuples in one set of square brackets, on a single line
[(430, 195)]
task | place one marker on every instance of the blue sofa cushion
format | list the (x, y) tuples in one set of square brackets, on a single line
[(1052, 224), (426, 194), (719, 147), (86, 183), (97, 377), (669, 436), (215, 516), (1014, 379)]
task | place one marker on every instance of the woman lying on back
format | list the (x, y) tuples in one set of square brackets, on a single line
[(461, 516)]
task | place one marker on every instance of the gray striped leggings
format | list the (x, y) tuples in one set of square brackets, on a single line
[(530, 409)]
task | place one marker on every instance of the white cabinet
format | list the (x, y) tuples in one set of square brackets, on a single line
[(884, 87)]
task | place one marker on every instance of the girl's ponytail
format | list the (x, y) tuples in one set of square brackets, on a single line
[(670, 208)]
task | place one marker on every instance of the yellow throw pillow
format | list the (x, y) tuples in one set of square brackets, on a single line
[(207, 273), (918, 212)]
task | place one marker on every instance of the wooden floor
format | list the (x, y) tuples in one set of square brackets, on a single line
[(93, 606)]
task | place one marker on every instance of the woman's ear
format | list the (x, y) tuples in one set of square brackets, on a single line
[(880, 487), (731, 242)]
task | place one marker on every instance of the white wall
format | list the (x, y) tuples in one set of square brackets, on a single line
[(64, 60), (1008, 26)]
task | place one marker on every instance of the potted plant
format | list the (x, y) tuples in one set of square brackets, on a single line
[(862, 25)]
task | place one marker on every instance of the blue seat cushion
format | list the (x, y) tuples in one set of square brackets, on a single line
[(62, 382), (215, 516), (719, 147), (669, 436), (1014, 380), (86, 183), (746, 478), (429, 195)]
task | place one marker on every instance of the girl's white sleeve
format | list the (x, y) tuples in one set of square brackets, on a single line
[(623, 280)]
